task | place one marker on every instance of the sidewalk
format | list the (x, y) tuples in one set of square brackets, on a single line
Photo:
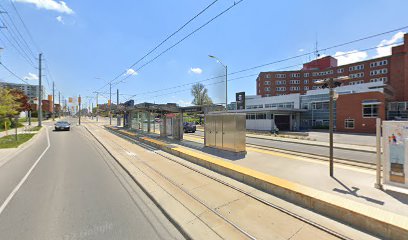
[(352, 188), (338, 145)]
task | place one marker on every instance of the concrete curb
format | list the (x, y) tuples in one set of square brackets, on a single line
[(156, 203), (366, 218), (313, 144)]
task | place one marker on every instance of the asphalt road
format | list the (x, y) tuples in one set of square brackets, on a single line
[(351, 155), (76, 191)]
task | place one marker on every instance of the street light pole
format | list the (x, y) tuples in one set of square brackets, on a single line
[(331, 122), (330, 83), (110, 103)]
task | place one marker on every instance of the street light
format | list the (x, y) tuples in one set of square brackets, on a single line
[(226, 80), (331, 83)]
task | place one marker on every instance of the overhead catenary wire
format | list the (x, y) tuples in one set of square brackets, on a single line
[(184, 38), (287, 59), (252, 75), (166, 39)]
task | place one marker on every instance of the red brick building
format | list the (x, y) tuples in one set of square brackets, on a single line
[(355, 111), (358, 112), (392, 70)]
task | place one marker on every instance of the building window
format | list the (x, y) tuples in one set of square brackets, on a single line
[(357, 75), (281, 89), (340, 70), (294, 81), (356, 82), (267, 82), (357, 67), (381, 79), (294, 88), (379, 63), (268, 75), (306, 88), (379, 71), (305, 81), (280, 82), (370, 110), (268, 95), (267, 89), (349, 123), (280, 75), (295, 75), (306, 75)]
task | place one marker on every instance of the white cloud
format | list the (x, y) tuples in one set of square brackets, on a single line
[(31, 76), (60, 6), (183, 103), (350, 57), (384, 51), (301, 50), (131, 72), (195, 70), (60, 19)]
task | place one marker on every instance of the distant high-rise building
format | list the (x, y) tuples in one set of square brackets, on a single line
[(30, 90)]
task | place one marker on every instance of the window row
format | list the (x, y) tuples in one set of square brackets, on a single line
[(356, 67), (280, 75), (356, 82), (379, 63), (254, 106), (379, 71), (323, 73), (287, 105), (295, 88), (294, 81), (357, 75), (280, 89), (380, 79)]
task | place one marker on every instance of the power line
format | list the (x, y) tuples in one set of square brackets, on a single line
[(165, 40), (15, 36), (252, 75), (25, 26), (180, 41), (197, 29), (286, 59), (15, 75)]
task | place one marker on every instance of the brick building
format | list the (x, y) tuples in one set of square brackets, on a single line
[(375, 88)]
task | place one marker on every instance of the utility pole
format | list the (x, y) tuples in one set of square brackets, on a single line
[(331, 122), (110, 103), (39, 92), (117, 107), (79, 113), (59, 103), (97, 106), (53, 102)]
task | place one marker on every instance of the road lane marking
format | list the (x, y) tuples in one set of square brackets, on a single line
[(7, 201)]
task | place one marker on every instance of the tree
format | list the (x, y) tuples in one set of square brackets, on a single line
[(8, 104), (21, 99), (200, 94)]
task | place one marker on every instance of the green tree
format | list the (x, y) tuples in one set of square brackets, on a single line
[(8, 104), (200, 94)]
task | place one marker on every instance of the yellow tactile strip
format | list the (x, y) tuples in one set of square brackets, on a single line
[(378, 221)]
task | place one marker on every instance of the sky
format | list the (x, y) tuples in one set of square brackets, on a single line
[(86, 44)]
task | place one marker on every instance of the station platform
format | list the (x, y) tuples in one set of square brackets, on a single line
[(349, 196)]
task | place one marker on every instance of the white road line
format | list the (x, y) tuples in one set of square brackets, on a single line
[(4, 205)]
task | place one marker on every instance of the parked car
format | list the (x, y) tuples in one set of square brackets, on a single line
[(62, 125), (189, 127)]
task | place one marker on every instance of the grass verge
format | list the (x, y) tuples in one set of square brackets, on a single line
[(10, 141), (35, 129)]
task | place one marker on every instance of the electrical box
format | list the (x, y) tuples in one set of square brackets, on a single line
[(226, 131)]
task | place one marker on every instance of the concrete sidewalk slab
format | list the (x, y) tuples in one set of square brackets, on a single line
[(332, 197)]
